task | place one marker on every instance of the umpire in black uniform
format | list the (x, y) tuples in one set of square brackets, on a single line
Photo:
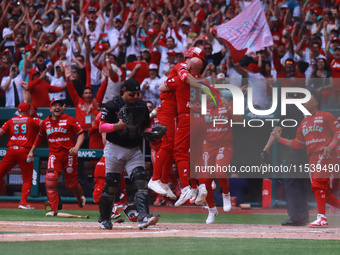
[(296, 188), (123, 120)]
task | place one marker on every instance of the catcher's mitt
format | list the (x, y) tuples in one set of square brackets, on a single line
[(155, 134), (265, 157), (132, 116)]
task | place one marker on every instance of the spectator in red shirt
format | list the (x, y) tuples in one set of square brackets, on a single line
[(139, 69)]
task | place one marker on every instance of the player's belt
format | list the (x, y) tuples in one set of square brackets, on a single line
[(17, 148)]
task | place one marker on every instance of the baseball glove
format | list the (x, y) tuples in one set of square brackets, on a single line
[(155, 134), (133, 116)]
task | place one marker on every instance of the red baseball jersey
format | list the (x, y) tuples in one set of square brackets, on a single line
[(142, 72), (317, 131), (180, 70), (22, 130), (182, 94), (60, 133), (219, 133)]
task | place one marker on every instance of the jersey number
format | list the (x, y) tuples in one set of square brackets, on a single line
[(22, 128)]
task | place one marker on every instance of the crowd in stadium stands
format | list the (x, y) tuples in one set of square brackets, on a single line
[(83, 51)]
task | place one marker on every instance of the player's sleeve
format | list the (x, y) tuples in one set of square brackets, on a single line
[(299, 135), (182, 72), (334, 125), (77, 129), (109, 112), (42, 132), (171, 84)]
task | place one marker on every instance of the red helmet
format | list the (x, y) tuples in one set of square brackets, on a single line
[(195, 52)]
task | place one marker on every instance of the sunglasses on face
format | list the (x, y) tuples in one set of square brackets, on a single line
[(207, 48), (134, 94), (289, 62), (58, 69)]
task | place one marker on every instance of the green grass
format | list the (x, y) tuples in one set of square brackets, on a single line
[(255, 218), (39, 215), (174, 245), (169, 245)]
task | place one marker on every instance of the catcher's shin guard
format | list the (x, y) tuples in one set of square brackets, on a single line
[(107, 198), (141, 196)]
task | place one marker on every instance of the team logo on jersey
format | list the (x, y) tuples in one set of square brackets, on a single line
[(318, 121), (62, 124), (69, 170), (56, 130), (305, 131)]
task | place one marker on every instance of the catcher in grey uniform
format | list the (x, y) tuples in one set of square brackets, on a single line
[(124, 120)]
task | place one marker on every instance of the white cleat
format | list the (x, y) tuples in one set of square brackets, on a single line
[(212, 215), (202, 194), (320, 222), (169, 192), (194, 197), (156, 187), (51, 214), (186, 194), (26, 207), (226, 202)]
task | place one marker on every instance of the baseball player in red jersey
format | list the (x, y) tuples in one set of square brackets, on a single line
[(60, 130), (217, 151), (22, 130), (182, 135), (167, 116), (320, 133)]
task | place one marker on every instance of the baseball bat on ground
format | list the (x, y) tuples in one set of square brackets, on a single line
[(68, 215)]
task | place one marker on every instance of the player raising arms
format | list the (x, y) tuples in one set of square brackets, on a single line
[(320, 133), (22, 130), (60, 130)]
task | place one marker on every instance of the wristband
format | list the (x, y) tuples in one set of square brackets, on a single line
[(283, 141), (332, 145)]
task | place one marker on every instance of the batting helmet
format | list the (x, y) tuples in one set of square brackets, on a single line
[(195, 52)]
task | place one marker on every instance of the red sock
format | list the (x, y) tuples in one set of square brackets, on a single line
[(320, 196), (183, 171), (193, 183), (224, 183), (161, 157), (25, 191), (333, 200), (167, 166), (210, 196)]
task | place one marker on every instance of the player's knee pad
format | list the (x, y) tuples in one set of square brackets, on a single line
[(51, 179), (139, 178), (112, 183)]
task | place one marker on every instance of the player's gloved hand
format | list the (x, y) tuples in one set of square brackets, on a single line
[(155, 134)]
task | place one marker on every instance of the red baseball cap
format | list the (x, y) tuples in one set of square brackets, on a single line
[(172, 52), (152, 31), (253, 67), (23, 107), (195, 52), (101, 47), (54, 101)]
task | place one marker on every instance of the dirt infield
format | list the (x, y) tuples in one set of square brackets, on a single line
[(42, 231)]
